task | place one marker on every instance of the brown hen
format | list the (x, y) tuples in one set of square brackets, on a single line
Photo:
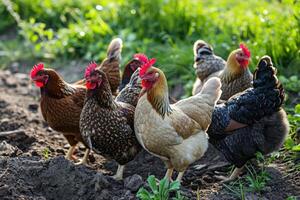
[(61, 102)]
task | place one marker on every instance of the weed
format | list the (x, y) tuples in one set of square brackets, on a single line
[(160, 192)]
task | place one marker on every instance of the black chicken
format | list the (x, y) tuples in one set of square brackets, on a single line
[(251, 121)]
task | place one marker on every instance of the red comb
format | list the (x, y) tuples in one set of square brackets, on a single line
[(35, 69), (146, 66), (245, 50), (141, 57), (90, 68)]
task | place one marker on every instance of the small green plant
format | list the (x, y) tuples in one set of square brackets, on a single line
[(46, 153), (160, 191), (237, 189), (291, 198), (258, 181)]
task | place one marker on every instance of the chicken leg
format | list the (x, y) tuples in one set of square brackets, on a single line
[(180, 175), (236, 172), (119, 175), (70, 152), (169, 174), (84, 160)]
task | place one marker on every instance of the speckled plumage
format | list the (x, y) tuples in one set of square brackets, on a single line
[(130, 93), (232, 85), (207, 65), (107, 125), (234, 78), (260, 108)]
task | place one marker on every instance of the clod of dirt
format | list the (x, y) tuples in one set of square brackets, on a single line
[(56, 178), (6, 149), (11, 82), (133, 183)]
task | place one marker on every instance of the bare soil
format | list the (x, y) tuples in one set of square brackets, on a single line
[(32, 163)]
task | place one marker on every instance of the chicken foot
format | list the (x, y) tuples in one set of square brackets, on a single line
[(236, 172), (84, 160), (70, 152), (119, 174)]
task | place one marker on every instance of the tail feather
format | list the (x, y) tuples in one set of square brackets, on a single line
[(114, 49), (265, 98), (213, 88), (111, 65), (201, 46)]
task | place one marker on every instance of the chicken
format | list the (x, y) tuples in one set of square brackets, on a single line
[(235, 77), (258, 109), (175, 133), (130, 68), (207, 64), (106, 124), (61, 102)]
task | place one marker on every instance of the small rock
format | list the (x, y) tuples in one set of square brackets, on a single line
[(4, 146), (33, 107), (11, 82), (4, 120), (60, 151), (133, 183), (49, 129), (34, 153)]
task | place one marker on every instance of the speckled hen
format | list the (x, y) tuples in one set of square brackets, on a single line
[(106, 124), (235, 77)]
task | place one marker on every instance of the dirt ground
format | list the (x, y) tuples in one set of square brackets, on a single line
[(32, 163)]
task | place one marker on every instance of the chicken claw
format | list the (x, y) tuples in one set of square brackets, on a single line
[(69, 155), (233, 176), (84, 160)]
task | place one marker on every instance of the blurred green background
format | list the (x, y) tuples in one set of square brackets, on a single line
[(67, 34), (60, 32)]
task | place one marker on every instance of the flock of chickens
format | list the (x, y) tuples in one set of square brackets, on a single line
[(117, 116)]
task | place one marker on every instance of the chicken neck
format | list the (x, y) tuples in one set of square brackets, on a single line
[(158, 96), (56, 87), (103, 95), (233, 70)]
